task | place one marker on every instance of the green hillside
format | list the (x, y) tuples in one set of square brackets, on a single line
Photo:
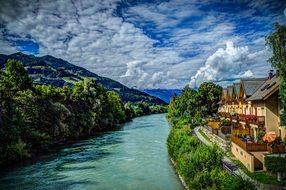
[(58, 72)]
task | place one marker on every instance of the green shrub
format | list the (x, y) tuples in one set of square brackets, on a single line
[(237, 183), (275, 163), (18, 151), (209, 179), (198, 164)]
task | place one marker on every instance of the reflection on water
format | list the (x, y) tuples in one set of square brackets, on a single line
[(132, 158)]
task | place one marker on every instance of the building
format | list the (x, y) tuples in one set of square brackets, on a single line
[(253, 107)]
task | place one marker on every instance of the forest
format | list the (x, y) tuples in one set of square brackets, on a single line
[(35, 118)]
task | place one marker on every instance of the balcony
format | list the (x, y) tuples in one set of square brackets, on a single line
[(221, 114), (249, 119), (257, 120), (234, 116), (225, 114), (276, 149), (241, 117), (249, 146)]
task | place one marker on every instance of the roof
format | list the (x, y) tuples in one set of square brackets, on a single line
[(224, 93), (266, 89), (229, 89), (250, 85), (236, 88)]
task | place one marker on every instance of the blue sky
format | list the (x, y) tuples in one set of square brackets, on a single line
[(147, 44)]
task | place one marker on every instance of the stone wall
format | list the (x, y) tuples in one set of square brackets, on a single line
[(222, 143)]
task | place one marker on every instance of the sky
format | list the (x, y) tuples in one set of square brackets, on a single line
[(147, 44)]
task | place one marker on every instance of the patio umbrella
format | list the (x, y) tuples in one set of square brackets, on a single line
[(269, 136)]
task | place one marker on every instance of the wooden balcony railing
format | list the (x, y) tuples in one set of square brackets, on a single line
[(250, 119), (258, 120), (277, 149), (249, 146), (234, 117), (241, 117)]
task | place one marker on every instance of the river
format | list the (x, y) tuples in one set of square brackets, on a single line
[(134, 157)]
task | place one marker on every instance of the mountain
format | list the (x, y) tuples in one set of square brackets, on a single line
[(163, 94), (58, 72)]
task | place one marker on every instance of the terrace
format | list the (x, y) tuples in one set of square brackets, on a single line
[(247, 143)]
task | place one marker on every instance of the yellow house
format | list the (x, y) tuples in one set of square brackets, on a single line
[(235, 93), (266, 103), (254, 105)]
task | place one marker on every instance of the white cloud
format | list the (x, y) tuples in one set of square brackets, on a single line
[(164, 54), (225, 64)]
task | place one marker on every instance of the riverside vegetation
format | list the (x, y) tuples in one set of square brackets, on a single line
[(34, 118), (199, 165)]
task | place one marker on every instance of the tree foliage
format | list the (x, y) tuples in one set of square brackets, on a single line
[(275, 164), (33, 118), (277, 41), (192, 105), (209, 96), (198, 164)]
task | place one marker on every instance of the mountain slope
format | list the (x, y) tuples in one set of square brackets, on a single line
[(163, 94), (58, 72)]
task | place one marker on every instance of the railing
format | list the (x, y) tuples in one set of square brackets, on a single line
[(234, 117), (228, 115), (241, 117), (249, 146), (251, 119), (258, 120), (222, 114), (276, 149)]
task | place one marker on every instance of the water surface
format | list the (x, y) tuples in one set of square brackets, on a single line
[(134, 157)]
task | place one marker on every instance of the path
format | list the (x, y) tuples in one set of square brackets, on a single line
[(228, 164)]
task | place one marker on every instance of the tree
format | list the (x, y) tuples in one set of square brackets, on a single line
[(277, 41), (13, 78), (116, 107), (275, 164), (209, 96)]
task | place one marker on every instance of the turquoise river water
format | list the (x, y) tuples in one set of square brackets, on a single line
[(134, 157)]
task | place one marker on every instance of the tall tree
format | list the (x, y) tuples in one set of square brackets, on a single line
[(277, 41), (14, 77), (209, 97)]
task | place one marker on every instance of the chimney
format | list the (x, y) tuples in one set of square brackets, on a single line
[(277, 73), (270, 74)]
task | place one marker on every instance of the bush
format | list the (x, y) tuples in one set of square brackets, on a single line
[(192, 157), (198, 164), (209, 179), (18, 151), (237, 183), (275, 163)]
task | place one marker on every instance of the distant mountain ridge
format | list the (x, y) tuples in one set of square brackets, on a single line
[(163, 94), (58, 72)]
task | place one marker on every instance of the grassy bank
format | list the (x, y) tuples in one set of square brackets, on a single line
[(200, 166)]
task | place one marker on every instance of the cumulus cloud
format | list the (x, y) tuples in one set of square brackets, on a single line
[(225, 65), (143, 44)]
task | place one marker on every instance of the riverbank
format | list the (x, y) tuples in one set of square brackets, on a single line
[(180, 177), (112, 160), (200, 166), (56, 147), (237, 168), (35, 118)]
